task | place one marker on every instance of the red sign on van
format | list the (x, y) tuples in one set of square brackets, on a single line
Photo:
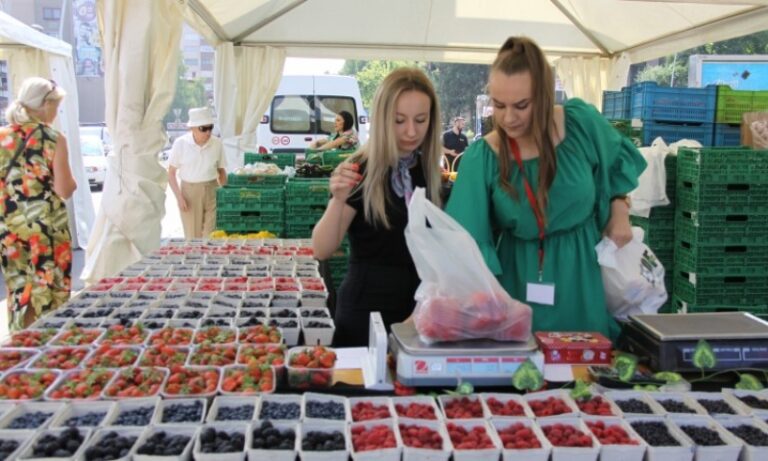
[(285, 140), (275, 140)]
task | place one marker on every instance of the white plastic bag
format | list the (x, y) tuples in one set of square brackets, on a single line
[(459, 298), (633, 278)]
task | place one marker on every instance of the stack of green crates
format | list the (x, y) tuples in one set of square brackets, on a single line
[(721, 230), (331, 157), (251, 203), (282, 160), (659, 229), (305, 202)]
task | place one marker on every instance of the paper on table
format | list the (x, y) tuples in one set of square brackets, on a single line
[(350, 357), (558, 373)]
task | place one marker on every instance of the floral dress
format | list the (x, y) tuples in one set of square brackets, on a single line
[(34, 227)]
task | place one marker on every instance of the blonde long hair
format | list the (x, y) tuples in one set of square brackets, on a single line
[(521, 54), (33, 94), (380, 153)]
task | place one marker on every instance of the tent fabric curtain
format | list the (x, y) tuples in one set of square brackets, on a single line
[(26, 62), (245, 79), (141, 55), (587, 78)]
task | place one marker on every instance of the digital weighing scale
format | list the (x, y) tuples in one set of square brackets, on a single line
[(480, 362), (738, 339)]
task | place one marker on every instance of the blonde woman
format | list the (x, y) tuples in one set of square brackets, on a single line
[(369, 196), (36, 179)]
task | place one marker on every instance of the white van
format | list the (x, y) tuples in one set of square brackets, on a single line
[(304, 109)]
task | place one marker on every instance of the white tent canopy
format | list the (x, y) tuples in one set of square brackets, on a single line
[(591, 42), (472, 30), (31, 53)]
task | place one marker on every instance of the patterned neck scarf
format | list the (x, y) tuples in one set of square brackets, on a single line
[(401, 176)]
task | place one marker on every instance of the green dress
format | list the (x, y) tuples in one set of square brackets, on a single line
[(594, 164)]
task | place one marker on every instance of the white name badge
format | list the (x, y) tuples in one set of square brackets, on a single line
[(541, 293)]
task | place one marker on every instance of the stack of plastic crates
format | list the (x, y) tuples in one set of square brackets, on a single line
[(282, 160), (674, 113), (251, 203), (659, 229), (305, 202), (721, 230), (731, 104)]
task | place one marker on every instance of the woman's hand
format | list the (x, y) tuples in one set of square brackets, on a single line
[(343, 179), (619, 228)]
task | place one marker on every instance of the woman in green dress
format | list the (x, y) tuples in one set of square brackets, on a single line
[(344, 138), (540, 191)]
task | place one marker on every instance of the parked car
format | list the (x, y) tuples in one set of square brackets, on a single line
[(94, 160), (100, 131)]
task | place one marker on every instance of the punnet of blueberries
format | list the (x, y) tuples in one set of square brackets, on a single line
[(239, 413), (136, 417), (90, 419), (325, 410), (655, 433), (750, 434), (675, 406), (31, 420), (183, 412), (714, 406), (634, 406), (279, 410), (703, 436)]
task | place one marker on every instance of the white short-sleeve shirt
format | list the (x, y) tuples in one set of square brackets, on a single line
[(197, 163)]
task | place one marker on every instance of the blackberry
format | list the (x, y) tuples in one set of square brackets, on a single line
[(703, 436), (63, 445), (7, 447), (714, 406), (316, 324), (111, 446), (267, 437), (655, 433), (213, 441), (751, 435), (674, 406), (162, 444), (634, 406), (323, 441), (284, 313)]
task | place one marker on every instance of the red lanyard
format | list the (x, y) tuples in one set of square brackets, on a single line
[(532, 200)]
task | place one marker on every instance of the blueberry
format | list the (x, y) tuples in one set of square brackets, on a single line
[(241, 413), (325, 410), (277, 410), (30, 420), (703, 436), (717, 406), (91, 419), (634, 406), (655, 433), (674, 406), (136, 417), (183, 413)]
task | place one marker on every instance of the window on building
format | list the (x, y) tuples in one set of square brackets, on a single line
[(206, 61), (51, 14), (192, 62)]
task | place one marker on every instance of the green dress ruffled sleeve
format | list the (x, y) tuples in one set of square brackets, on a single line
[(470, 201)]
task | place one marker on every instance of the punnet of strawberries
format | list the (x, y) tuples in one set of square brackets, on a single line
[(311, 367)]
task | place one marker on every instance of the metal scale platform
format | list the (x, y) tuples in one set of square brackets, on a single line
[(480, 362), (738, 339)]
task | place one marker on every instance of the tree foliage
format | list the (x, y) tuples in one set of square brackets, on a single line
[(456, 85), (189, 93), (662, 72)]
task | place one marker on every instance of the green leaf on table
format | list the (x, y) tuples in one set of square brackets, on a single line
[(668, 376), (645, 387), (625, 365), (527, 377), (580, 390), (749, 382), (465, 388), (704, 356)]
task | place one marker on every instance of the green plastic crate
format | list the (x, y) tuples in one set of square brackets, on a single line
[(731, 104), (281, 159), (721, 290), (724, 229), (722, 198), (256, 180), (722, 165), (246, 199), (298, 230), (721, 259), (331, 157), (682, 306), (293, 220)]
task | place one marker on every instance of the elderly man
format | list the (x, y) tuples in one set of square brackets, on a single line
[(199, 159), (454, 143)]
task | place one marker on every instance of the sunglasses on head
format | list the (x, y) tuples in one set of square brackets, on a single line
[(205, 128), (53, 88)]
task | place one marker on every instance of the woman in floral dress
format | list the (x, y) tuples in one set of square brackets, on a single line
[(35, 179)]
